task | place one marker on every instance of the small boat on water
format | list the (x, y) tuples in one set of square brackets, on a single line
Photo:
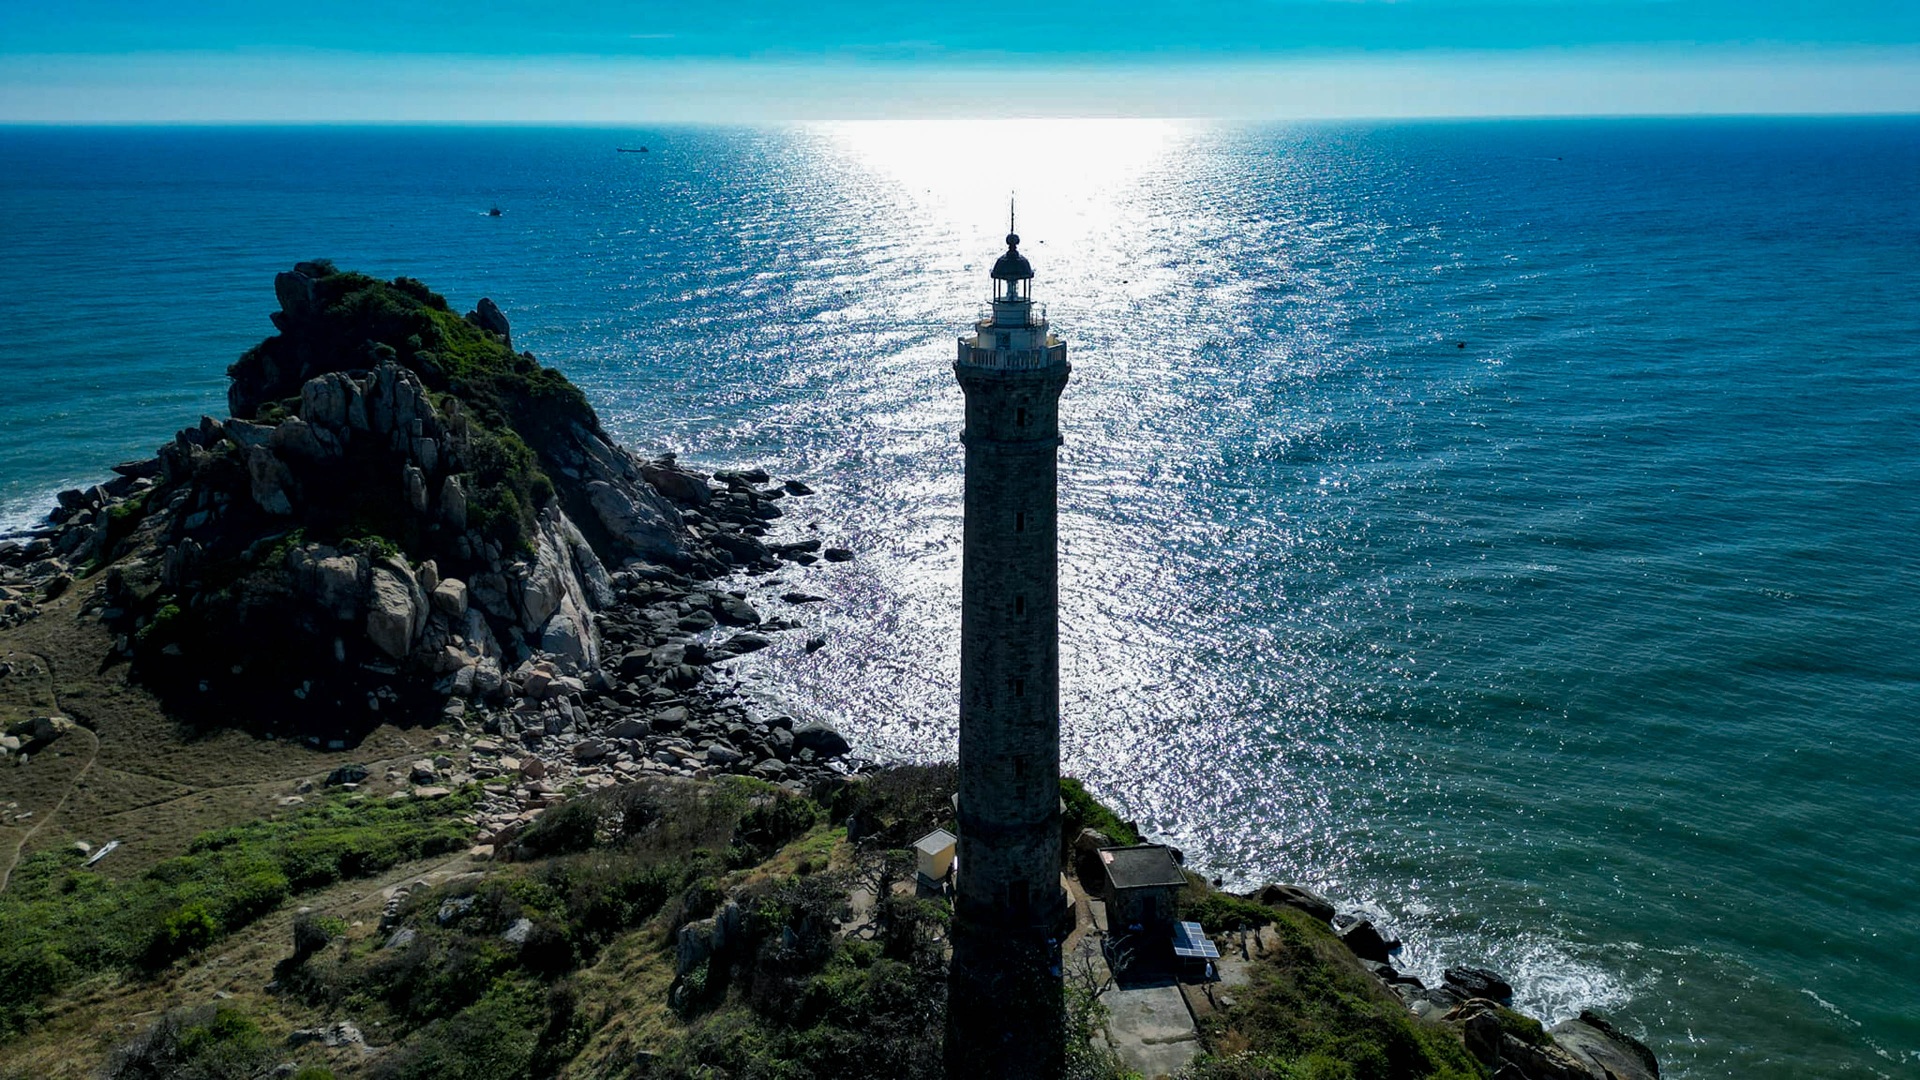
[(630, 149), (495, 212)]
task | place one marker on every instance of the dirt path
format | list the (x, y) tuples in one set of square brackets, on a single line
[(87, 1022), (93, 755)]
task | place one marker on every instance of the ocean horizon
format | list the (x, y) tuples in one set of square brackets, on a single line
[(1504, 527)]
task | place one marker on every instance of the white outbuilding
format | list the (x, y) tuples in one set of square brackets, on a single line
[(935, 854)]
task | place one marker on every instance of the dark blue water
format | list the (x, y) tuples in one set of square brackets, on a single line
[(1508, 527)]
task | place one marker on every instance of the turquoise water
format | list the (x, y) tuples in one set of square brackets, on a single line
[(1509, 528)]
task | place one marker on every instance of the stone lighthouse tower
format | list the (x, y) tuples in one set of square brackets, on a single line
[(1009, 908)]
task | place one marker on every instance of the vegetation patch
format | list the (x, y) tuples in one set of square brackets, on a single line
[(565, 958), (482, 978), (794, 1001), (1522, 1027), (521, 413), (1219, 913), (897, 806), (498, 1037), (1310, 1013), (60, 922), (208, 1043), (1086, 812), (122, 519)]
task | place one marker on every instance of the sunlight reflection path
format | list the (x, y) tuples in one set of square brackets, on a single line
[(1229, 656)]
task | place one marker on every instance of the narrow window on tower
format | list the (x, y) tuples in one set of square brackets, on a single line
[(1019, 605), (1020, 521), (1017, 896), (1020, 417), (1019, 687), (1020, 767)]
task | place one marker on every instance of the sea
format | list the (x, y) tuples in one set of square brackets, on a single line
[(1509, 528)]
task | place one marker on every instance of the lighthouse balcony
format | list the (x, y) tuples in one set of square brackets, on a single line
[(1043, 354)]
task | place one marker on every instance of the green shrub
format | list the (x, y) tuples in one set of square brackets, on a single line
[(59, 922), (604, 894), (771, 821), (440, 973), (1083, 811), (567, 1030), (700, 899), (495, 1038), (507, 486), (28, 973), (1218, 913), (277, 554), (663, 818), (910, 929), (180, 932), (560, 830), (122, 519), (894, 807), (362, 538), (694, 987), (859, 1016), (312, 932), (417, 289), (794, 919), (209, 1043), (162, 628)]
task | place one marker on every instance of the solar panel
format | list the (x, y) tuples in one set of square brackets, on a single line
[(1191, 942)]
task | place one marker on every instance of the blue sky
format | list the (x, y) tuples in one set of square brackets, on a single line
[(555, 60)]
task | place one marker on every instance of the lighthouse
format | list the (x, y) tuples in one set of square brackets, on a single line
[(1009, 906)]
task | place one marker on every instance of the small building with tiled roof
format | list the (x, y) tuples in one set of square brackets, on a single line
[(1142, 885)]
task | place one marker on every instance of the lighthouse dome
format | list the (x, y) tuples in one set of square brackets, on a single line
[(1013, 266)]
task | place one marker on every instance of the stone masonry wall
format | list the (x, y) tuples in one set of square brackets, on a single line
[(1010, 652)]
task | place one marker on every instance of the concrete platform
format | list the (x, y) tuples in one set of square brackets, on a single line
[(1150, 1028)]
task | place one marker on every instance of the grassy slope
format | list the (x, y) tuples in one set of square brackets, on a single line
[(1311, 1012), (154, 784), (83, 1025), (581, 999), (62, 924)]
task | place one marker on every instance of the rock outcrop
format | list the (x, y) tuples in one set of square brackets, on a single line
[(403, 518), (1606, 1050)]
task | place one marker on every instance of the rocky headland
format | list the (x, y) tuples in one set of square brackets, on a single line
[(403, 517), (406, 522)]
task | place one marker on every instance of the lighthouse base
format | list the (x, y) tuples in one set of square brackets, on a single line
[(1005, 1010)]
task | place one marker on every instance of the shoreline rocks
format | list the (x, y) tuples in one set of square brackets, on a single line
[(1478, 1003)]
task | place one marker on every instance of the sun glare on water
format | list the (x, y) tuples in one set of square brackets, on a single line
[(1068, 174)]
